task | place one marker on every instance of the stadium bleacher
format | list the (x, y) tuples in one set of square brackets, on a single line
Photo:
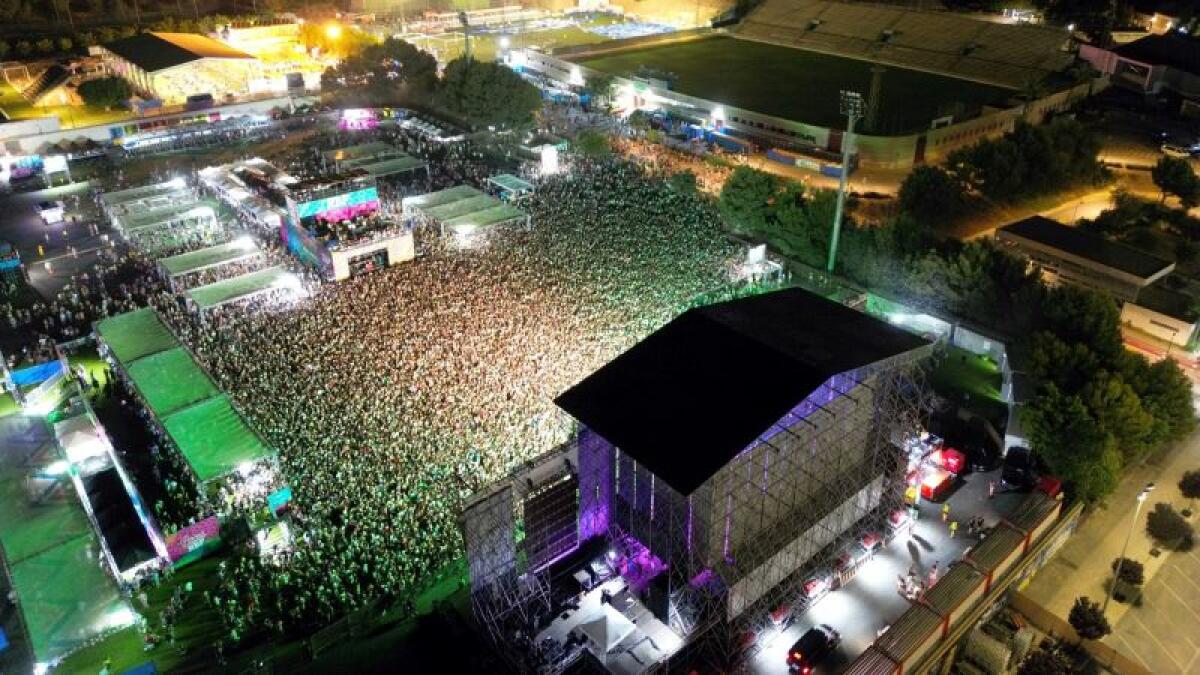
[(952, 44)]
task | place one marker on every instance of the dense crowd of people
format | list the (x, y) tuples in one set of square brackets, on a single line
[(393, 396)]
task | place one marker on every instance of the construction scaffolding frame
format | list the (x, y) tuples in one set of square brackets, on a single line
[(738, 551)]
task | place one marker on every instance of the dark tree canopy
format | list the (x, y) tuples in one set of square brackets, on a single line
[(105, 92), (1132, 571), (1030, 161), (747, 199), (1043, 661), (1073, 444), (487, 94), (1174, 176), (932, 194), (1189, 485), (1168, 527), (1087, 619), (391, 72)]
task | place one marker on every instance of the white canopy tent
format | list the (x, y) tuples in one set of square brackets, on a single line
[(606, 628)]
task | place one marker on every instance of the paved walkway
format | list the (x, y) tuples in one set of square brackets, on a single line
[(1083, 567)]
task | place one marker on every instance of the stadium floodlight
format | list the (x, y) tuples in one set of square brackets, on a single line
[(852, 106)]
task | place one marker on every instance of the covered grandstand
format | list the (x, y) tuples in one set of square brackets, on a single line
[(173, 66), (243, 287), (940, 42), (209, 434), (463, 210)]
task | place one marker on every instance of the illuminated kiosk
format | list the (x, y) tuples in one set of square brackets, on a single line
[(721, 467)]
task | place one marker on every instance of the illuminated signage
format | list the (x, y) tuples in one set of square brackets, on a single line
[(364, 197)]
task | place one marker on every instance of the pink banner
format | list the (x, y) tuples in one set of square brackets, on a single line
[(193, 537)]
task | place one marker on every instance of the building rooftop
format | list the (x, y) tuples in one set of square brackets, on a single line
[(153, 52), (695, 393), (1072, 240), (1172, 48)]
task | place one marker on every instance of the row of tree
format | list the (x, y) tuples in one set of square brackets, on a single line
[(480, 93), (1098, 406), (1026, 162)]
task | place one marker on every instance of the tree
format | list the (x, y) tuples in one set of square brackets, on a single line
[(1169, 528), (683, 182), (1073, 445), (65, 44), (24, 48), (746, 199), (391, 72), (1174, 175), (105, 92), (1132, 571), (932, 194), (488, 94), (1087, 619), (599, 87), (1043, 661), (592, 143), (45, 45), (4, 48), (1189, 485)]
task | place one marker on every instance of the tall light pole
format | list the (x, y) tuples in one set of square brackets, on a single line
[(852, 108), (1141, 499), (466, 25)]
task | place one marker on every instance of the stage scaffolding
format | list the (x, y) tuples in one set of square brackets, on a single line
[(741, 546)]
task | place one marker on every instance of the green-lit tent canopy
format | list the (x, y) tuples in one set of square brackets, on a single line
[(213, 438), (135, 334)]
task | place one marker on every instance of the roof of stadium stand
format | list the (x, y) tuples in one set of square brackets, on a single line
[(212, 256), (153, 52), (1072, 240), (213, 438), (135, 334), (707, 384), (237, 287)]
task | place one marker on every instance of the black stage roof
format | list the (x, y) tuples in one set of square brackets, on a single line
[(688, 398), (1085, 245)]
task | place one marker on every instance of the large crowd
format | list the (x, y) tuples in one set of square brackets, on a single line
[(393, 396)]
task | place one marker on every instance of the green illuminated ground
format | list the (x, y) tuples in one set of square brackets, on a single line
[(799, 85)]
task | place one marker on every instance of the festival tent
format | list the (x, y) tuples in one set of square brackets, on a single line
[(170, 380), (511, 187), (391, 166), (81, 438), (239, 287), (48, 545), (212, 256), (213, 438), (606, 628), (464, 209), (432, 199), (135, 334), (66, 599), (192, 209)]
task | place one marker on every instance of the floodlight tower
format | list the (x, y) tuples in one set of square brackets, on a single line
[(462, 18), (852, 107)]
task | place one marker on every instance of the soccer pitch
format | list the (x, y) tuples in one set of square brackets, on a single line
[(800, 85)]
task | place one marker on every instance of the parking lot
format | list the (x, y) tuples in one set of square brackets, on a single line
[(1161, 634), (867, 605)]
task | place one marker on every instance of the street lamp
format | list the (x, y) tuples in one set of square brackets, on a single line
[(852, 107), (1141, 498)]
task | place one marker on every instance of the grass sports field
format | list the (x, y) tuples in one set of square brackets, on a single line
[(799, 85)]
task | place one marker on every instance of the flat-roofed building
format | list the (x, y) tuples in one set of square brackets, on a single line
[(174, 66), (1071, 256)]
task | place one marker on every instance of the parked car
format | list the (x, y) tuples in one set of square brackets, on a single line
[(1176, 150), (1020, 469), (982, 457), (813, 648)]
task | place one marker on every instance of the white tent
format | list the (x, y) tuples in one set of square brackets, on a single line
[(606, 628)]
